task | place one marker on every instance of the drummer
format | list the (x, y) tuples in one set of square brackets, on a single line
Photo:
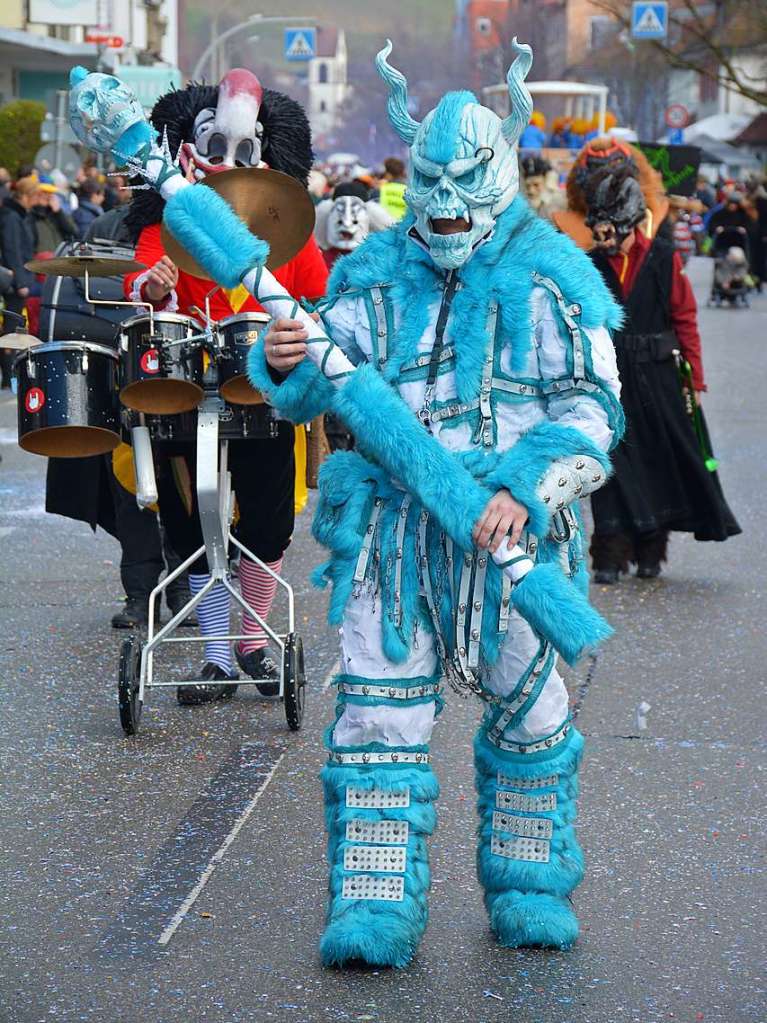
[(217, 128)]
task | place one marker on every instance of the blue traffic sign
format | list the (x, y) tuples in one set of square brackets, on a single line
[(675, 136), (300, 43), (649, 20)]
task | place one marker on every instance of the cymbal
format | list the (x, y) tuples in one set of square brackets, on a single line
[(19, 341), (76, 266), (274, 206)]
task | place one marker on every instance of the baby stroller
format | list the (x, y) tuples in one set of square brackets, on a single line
[(732, 281)]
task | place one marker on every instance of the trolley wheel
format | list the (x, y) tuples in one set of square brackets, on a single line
[(295, 681), (128, 685)]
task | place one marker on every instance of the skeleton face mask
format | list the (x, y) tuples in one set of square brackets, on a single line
[(228, 135), (104, 112), (464, 170), (348, 223)]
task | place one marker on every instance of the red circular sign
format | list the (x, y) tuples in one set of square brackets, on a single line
[(150, 361), (34, 399), (677, 116)]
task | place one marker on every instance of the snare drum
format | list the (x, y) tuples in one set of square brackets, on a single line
[(237, 334), (67, 399), (161, 373)]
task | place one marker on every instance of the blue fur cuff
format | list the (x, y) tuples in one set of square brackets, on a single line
[(213, 234), (521, 469), (303, 394), (386, 428)]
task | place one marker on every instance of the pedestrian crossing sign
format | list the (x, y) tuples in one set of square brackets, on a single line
[(300, 43), (649, 20)]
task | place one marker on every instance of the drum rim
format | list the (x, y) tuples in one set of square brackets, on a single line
[(250, 317), (162, 317), (92, 347)]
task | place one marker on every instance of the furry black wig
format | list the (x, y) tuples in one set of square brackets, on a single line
[(287, 140)]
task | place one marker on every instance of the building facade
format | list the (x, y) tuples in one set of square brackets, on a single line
[(40, 40), (328, 84)]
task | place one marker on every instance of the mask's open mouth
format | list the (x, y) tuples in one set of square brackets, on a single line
[(443, 225), (347, 236)]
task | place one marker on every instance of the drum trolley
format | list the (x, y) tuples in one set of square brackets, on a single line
[(68, 406), (215, 501)]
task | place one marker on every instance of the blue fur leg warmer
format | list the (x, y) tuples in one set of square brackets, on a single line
[(213, 234), (378, 816), (528, 858)]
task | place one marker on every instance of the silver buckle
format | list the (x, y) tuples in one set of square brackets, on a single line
[(367, 886), (531, 849), (524, 827), (528, 783), (527, 804), (381, 832), (376, 799), (385, 859)]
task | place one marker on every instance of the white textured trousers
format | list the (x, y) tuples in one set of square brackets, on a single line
[(362, 655)]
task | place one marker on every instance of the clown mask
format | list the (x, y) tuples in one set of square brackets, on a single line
[(228, 135), (348, 223)]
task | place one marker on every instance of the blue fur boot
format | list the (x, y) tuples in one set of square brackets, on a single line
[(528, 858), (379, 810)]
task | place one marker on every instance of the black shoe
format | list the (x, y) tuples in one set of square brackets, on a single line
[(260, 665), (606, 576), (193, 695), (648, 570), (135, 614), (175, 604)]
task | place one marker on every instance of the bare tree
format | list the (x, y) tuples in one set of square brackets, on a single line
[(705, 37)]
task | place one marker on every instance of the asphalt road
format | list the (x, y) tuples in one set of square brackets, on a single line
[(105, 839)]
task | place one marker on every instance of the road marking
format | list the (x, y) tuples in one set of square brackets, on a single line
[(215, 859), (336, 667), (182, 866)]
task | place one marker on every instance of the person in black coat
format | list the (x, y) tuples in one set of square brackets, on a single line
[(18, 244), (661, 481), (91, 201)]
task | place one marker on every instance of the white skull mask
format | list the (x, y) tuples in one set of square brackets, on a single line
[(464, 169), (228, 135), (348, 223), (468, 176)]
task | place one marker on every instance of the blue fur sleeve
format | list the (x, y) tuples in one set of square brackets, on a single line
[(303, 394), (521, 469), (211, 232)]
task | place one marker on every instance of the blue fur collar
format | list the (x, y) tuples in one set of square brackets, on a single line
[(502, 268)]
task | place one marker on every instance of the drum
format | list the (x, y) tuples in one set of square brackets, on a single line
[(235, 423), (67, 399), (237, 334), (159, 373)]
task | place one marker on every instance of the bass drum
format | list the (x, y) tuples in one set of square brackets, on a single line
[(160, 373), (236, 336), (67, 399)]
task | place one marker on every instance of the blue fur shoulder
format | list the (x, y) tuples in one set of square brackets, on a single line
[(523, 244)]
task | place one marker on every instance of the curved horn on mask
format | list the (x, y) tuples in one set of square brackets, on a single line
[(402, 122), (521, 100)]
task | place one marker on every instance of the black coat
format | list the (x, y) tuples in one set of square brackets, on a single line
[(660, 481), (18, 242), (85, 214)]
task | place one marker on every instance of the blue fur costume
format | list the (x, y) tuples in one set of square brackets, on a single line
[(484, 364), (391, 281)]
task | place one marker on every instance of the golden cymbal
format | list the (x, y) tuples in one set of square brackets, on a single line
[(274, 206), (18, 341), (76, 266)]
